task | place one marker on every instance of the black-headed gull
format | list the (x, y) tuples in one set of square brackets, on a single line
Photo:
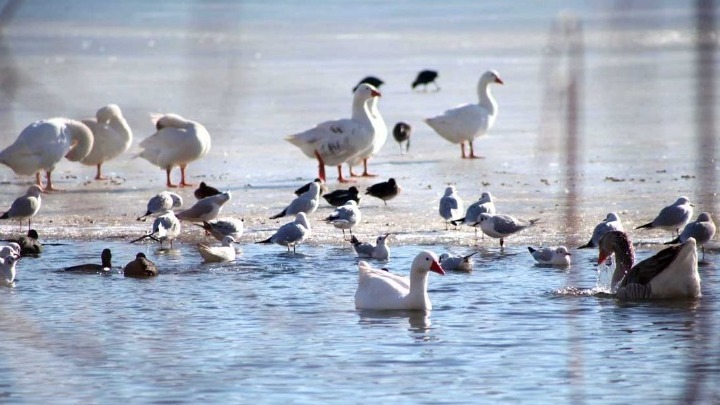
[(43, 144), (306, 202), (141, 267), (206, 209), (305, 187), (469, 121), (345, 217), (457, 262), (216, 254), (166, 227), (291, 234), (386, 190), (112, 136), (425, 77), (161, 202), (177, 142), (484, 205), (381, 290), (222, 227), (451, 205), (673, 217), (335, 142), (104, 267), (501, 226), (702, 230), (671, 273), (555, 256), (371, 80), (204, 190), (610, 223), (380, 251), (25, 206)]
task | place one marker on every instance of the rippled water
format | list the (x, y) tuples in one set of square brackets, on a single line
[(277, 327)]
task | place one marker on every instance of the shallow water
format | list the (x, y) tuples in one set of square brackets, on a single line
[(274, 326)]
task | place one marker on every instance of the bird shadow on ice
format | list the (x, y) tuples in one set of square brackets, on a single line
[(412, 162)]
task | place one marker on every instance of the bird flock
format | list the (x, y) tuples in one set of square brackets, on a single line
[(672, 273)]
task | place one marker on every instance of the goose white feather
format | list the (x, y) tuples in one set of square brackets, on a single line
[(111, 134)]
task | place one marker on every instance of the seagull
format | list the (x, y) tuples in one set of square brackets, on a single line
[(502, 226), (214, 254), (43, 144), (305, 187), (610, 223), (484, 205), (25, 206), (104, 267), (450, 205), (340, 197), (380, 251), (426, 77), (401, 133), (307, 202), (467, 122), (458, 263), (673, 217), (141, 267), (702, 230), (291, 234), (386, 190), (112, 136), (371, 80), (204, 190), (556, 256), (220, 228), (11, 248), (7, 269), (206, 209), (166, 227), (345, 217), (177, 142), (161, 202)]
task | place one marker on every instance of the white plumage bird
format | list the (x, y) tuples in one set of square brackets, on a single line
[(111, 134), (215, 254), (451, 205)]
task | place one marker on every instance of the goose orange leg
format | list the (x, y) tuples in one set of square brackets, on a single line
[(169, 183), (183, 183)]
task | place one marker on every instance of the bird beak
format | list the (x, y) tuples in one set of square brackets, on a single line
[(498, 80), (435, 266), (375, 93), (601, 257)]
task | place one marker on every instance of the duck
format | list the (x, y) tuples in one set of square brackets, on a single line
[(425, 77), (457, 262), (204, 190), (380, 133), (8, 269), (43, 144), (177, 142), (292, 233), (112, 136), (104, 267), (484, 205), (467, 122), (371, 80), (386, 190), (501, 226), (345, 217), (141, 267), (672, 217), (554, 256), (335, 142), (340, 197), (161, 202), (451, 205), (206, 209), (29, 244), (307, 202), (216, 254), (26, 206), (382, 290), (401, 133), (702, 230), (380, 251), (220, 228), (672, 273), (610, 223)]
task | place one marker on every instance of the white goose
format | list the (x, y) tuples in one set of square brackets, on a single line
[(469, 121), (671, 273), (379, 137), (335, 142), (112, 136), (177, 142), (43, 144), (382, 290)]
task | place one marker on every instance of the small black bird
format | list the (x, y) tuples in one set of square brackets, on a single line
[(306, 186), (387, 190), (29, 244), (205, 191), (340, 197), (401, 133), (105, 257), (372, 80), (426, 77), (141, 267)]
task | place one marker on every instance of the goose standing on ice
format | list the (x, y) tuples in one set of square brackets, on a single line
[(469, 121), (380, 133), (176, 142), (43, 144), (112, 136), (335, 142)]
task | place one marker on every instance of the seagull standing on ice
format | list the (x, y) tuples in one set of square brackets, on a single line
[(451, 205), (291, 234), (673, 217), (25, 206)]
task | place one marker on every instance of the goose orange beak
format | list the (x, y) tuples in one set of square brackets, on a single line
[(435, 266)]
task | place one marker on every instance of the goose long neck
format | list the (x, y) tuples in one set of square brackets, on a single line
[(486, 99), (361, 109), (82, 139), (120, 125), (418, 285), (624, 257)]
